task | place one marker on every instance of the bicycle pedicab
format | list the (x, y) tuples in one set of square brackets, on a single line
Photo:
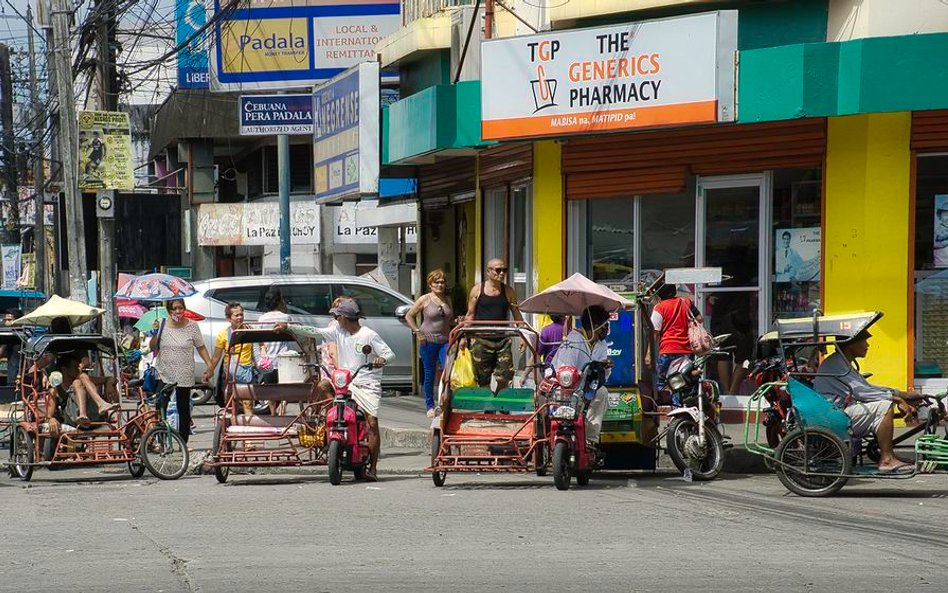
[(133, 432), (11, 405), (282, 439), (816, 454), (482, 431)]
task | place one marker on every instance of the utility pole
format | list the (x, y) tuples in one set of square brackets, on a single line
[(108, 101), (68, 149), (11, 231), (39, 174), (283, 175)]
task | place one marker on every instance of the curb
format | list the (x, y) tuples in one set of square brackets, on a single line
[(404, 438)]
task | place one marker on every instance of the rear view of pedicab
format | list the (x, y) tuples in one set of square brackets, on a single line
[(132, 431), (294, 436), (817, 453), (480, 430)]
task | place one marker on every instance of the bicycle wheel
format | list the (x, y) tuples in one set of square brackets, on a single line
[(164, 452), (220, 472), (135, 468), (808, 451)]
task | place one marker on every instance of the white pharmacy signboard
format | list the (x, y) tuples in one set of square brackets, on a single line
[(666, 72)]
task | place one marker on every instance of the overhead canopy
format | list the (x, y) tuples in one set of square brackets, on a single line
[(839, 328), (58, 344), (572, 296), (194, 113), (77, 313)]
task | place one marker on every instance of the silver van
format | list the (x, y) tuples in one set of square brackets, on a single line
[(308, 299)]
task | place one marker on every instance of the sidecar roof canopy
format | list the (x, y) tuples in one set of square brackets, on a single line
[(839, 328)]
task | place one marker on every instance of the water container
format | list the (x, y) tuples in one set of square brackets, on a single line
[(290, 370)]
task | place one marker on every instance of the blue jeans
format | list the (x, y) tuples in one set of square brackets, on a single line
[(661, 369), (432, 355)]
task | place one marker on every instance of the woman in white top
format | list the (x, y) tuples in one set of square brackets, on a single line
[(174, 346), (267, 354)]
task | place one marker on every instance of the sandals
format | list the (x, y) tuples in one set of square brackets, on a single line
[(82, 422), (902, 468), (371, 476)]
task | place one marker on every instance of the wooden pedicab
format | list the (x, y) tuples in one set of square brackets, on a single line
[(479, 430), (11, 404), (294, 436), (133, 432), (817, 453)]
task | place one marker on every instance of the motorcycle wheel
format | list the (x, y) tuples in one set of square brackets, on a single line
[(335, 462), (220, 472), (706, 468), (561, 469), (437, 477), (199, 397), (826, 455)]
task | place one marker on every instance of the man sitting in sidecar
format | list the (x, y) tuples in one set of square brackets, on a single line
[(868, 406), (583, 346)]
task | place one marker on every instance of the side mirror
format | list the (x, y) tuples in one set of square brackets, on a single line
[(55, 378), (401, 313), (722, 338), (367, 350)]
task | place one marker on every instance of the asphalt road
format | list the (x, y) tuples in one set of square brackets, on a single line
[(92, 531)]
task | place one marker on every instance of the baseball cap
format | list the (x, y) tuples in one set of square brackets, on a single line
[(348, 309)]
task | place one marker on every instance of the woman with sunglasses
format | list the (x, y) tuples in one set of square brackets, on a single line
[(174, 345), (436, 315)]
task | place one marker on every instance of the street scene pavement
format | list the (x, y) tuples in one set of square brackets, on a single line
[(100, 530)]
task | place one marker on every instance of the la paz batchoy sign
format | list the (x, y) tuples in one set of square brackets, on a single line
[(667, 72)]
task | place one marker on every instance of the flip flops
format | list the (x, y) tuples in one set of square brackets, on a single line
[(371, 476), (902, 468), (82, 422)]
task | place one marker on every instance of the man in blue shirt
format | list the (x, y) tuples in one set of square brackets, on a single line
[(868, 406)]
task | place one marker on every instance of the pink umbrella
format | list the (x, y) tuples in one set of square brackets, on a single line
[(130, 309), (572, 295)]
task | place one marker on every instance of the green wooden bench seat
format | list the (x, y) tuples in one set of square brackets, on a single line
[(482, 399)]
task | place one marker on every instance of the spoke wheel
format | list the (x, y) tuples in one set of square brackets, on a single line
[(814, 450), (220, 472), (704, 462), (164, 452), (437, 477), (136, 468), (22, 454), (562, 472)]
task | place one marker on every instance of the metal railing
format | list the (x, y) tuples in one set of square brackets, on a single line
[(412, 10)]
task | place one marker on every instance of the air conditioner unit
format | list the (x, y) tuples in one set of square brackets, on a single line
[(460, 24)]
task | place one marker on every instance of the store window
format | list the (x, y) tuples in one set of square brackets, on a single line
[(796, 240), (931, 270), (508, 215), (668, 233), (611, 235)]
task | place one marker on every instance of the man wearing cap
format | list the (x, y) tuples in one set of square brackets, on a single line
[(868, 406), (349, 337)]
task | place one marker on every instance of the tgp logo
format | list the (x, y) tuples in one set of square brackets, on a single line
[(544, 89)]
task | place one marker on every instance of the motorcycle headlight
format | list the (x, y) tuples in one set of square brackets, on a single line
[(565, 413), (677, 382), (339, 379), (565, 378)]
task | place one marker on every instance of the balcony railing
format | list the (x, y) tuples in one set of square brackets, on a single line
[(412, 10)]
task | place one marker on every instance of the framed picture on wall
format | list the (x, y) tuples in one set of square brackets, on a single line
[(940, 250), (797, 255)]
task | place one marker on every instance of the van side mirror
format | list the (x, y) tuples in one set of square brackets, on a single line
[(401, 313)]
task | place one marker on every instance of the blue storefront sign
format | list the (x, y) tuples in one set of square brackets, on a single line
[(265, 115), (190, 17), (346, 135)]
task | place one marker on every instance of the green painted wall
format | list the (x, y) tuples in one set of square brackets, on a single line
[(432, 69), (905, 73), (759, 24)]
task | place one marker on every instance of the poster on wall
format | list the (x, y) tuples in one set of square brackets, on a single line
[(941, 231), (10, 255), (105, 151), (797, 254)]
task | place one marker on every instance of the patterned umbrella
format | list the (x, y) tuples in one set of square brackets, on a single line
[(155, 287)]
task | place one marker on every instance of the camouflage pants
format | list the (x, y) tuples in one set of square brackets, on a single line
[(492, 357)]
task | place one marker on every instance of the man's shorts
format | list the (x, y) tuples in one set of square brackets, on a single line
[(492, 357), (865, 417)]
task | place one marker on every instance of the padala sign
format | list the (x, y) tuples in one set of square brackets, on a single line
[(265, 115), (658, 73)]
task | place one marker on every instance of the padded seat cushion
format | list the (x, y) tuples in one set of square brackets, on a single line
[(482, 399)]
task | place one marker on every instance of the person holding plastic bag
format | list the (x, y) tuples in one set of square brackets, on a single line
[(462, 371), (174, 348)]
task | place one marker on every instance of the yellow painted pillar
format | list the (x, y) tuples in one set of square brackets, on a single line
[(866, 238), (549, 214)]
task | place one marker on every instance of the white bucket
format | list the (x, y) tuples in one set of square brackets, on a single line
[(290, 370)]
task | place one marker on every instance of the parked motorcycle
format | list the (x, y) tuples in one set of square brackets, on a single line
[(693, 439), (348, 432), (569, 391)]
